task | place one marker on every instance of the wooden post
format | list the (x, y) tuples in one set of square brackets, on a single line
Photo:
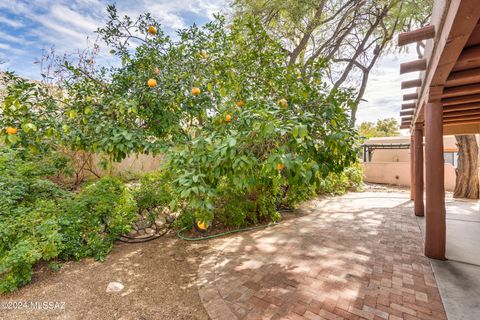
[(419, 208), (435, 224), (412, 171)]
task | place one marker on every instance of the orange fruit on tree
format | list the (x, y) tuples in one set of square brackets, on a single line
[(280, 166), (240, 103), (152, 83), (228, 118), (11, 130), (152, 30), (283, 103), (196, 91)]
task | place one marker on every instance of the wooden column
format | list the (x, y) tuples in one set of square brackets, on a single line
[(435, 229), (412, 164), (419, 208)]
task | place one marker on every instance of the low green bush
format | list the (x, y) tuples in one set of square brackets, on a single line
[(41, 221), (339, 183), (94, 218), (29, 230), (155, 190)]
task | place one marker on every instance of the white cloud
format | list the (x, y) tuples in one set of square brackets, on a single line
[(384, 95), (10, 22), (9, 50), (74, 19)]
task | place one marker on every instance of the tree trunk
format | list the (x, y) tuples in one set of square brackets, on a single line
[(466, 185)]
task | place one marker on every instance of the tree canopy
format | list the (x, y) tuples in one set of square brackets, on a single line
[(349, 36), (382, 128)]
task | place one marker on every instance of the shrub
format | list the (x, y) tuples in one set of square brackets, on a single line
[(339, 183), (29, 230), (41, 221), (93, 219), (154, 191)]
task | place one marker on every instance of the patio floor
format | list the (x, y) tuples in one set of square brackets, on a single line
[(359, 256), (459, 277)]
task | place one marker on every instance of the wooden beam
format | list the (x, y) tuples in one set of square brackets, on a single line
[(461, 91), (412, 83), (412, 66), (458, 20), (474, 37), (435, 93), (407, 113), (455, 123), (461, 118), (466, 128), (408, 118), (462, 18), (461, 100), (469, 59), (469, 106), (461, 78), (427, 32), (407, 106), (405, 126), (453, 114), (410, 96)]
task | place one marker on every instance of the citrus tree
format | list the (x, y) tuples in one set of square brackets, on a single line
[(243, 131)]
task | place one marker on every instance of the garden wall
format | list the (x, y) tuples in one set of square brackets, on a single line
[(398, 173)]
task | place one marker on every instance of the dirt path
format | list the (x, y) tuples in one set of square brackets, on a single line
[(159, 279)]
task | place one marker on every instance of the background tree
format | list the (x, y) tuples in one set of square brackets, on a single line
[(349, 35), (383, 128), (388, 127), (467, 184)]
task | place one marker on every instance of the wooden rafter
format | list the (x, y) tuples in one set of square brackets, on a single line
[(420, 34), (461, 91), (469, 59), (412, 66), (410, 96), (411, 83), (461, 107), (461, 78), (407, 106), (406, 113), (461, 100), (460, 113)]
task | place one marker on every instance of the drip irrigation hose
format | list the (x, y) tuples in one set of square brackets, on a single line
[(179, 232)]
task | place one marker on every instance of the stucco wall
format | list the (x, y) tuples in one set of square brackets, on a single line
[(392, 166), (398, 173)]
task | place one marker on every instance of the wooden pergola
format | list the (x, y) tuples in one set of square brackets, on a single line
[(446, 101)]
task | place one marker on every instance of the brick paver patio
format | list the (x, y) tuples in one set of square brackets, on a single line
[(353, 257)]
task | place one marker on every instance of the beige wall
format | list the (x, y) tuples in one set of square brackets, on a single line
[(140, 163), (398, 173), (393, 166)]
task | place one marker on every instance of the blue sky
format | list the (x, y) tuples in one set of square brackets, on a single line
[(29, 26)]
